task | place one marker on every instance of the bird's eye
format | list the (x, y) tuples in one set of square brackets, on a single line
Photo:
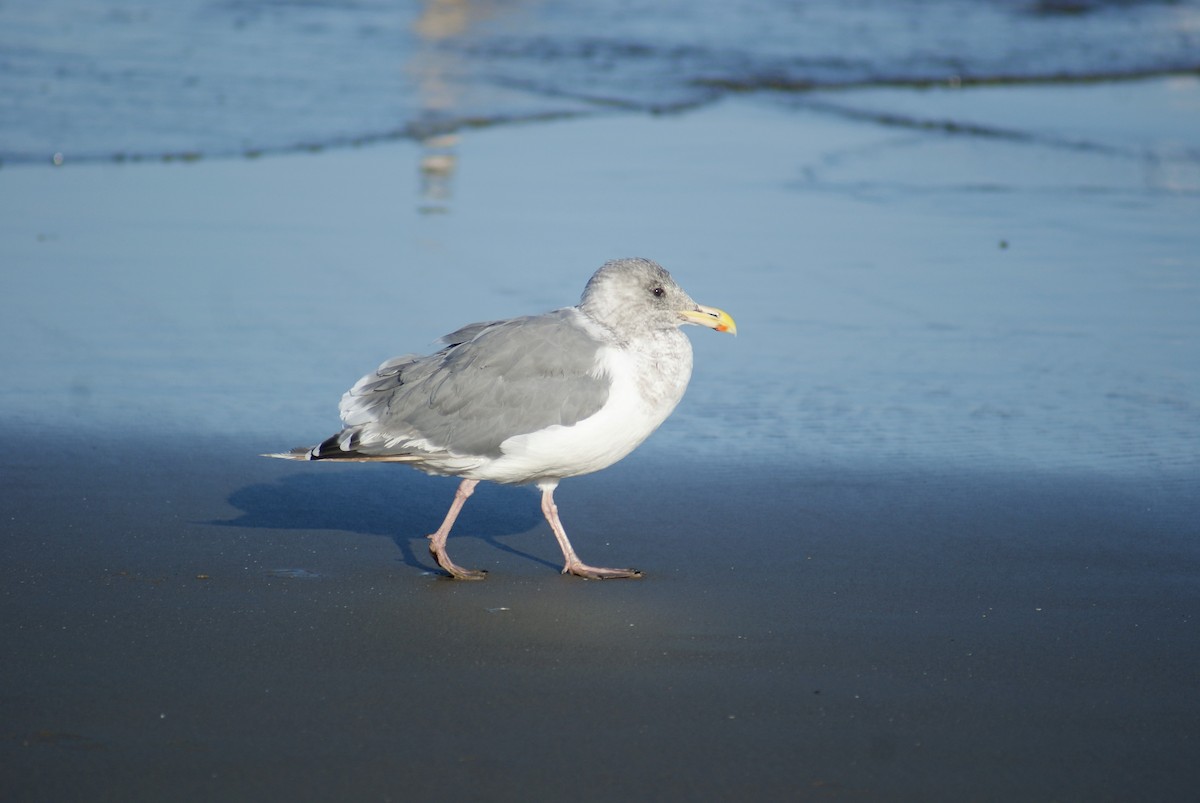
[(658, 292)]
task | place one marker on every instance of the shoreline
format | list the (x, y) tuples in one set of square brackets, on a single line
[(815, 97)]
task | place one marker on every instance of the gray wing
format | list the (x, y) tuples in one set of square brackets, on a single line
[(493, 381)]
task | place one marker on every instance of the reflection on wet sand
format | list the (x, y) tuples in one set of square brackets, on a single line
[(433, 68)]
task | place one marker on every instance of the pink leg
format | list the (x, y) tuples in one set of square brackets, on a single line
[(573, 564), (437, 541)]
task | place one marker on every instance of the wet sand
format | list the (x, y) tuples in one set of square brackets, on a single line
[(925, 530), (198, 625)]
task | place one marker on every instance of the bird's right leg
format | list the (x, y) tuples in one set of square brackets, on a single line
[(437, 541), (573, 564)]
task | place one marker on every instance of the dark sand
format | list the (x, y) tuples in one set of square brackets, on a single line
[(926, 530), (197, 624)]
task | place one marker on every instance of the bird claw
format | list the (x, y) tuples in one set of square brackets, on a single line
[(459, 573), (456, 572), (598, 573)]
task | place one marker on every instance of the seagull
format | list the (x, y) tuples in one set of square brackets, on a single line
[(531, 400)]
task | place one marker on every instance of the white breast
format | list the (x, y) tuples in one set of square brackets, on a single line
[(647, 384)]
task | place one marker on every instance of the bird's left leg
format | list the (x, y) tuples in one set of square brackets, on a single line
[(573, 564), (437, 540)]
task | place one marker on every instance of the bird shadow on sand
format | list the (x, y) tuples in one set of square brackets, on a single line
[(402, 506)]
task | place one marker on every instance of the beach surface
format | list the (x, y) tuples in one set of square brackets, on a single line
[(925, 530)]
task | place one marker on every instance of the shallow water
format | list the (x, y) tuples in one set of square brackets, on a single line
[(135, 79), (918, 295)]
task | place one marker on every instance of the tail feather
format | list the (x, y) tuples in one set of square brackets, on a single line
[(299, 453), (332, 448)]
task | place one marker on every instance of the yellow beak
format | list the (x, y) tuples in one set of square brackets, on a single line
[(711, 317)]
